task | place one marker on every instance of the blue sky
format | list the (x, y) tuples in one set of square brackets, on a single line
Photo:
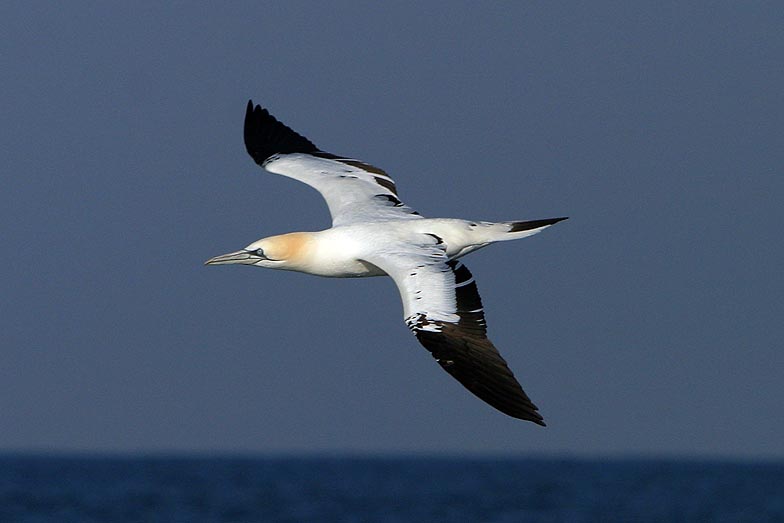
[(649, 323)]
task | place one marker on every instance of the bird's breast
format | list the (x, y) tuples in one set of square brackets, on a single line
[(337, 254)]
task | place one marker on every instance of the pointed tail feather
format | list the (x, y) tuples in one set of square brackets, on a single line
[(534, 224), (528, 228)]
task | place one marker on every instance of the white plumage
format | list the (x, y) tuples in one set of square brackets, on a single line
[(375, 234)]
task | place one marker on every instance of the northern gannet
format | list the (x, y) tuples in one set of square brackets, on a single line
[(373, 233)]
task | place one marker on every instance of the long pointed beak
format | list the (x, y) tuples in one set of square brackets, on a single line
[(243, 257)]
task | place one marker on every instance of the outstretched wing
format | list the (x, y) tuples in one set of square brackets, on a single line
[(442, 307), (354, 191)]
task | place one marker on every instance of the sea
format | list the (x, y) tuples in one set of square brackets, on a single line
[(348, 489)]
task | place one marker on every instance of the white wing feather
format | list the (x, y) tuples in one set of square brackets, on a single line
[(353, 193)]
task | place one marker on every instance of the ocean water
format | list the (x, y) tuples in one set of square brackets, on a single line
[(379, 489)]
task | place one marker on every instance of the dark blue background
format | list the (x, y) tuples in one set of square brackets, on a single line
[(649, 323)]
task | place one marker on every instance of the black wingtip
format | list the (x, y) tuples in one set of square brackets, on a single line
[(479, 367), (265, 136)]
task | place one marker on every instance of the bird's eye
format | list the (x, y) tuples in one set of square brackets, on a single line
[(259, 252)]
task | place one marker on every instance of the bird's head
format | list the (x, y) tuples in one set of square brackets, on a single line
[(285, 251)]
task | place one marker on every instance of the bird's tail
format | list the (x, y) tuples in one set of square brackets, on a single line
[(524, 229), (485, 233)]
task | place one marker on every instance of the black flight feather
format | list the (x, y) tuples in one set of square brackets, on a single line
[(265, 136)]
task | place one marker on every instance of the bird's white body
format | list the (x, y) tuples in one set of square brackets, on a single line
[(373, 233), (344, 251)]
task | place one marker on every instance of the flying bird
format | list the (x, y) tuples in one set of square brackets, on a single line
[(374, 233)]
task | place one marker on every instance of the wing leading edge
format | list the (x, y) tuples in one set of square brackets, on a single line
[(354, 190)]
